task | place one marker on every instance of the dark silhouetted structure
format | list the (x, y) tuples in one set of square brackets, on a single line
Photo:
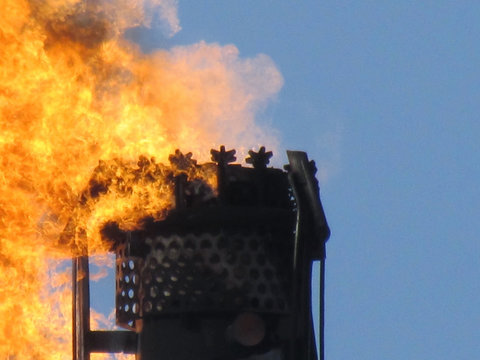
[(225, 275)]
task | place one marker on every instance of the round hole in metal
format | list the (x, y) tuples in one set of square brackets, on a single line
[(262, 288), (214, 259), (152, 263), (239, 272), (253, 244), (189, 245), (159, 276), (154, 291), (231, 257), (269, 303), (182, 261), (147, 277), (224, 273), (205, 244), (274, 288), (173, 250), (245, 258), (261, 260), (159, 247), (147, 306), (254, 273), (268, 274), (198, 259)]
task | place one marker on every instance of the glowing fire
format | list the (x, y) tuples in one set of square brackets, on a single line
[(73, 92)]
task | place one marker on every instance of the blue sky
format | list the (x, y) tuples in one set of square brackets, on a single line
[(385, 96)]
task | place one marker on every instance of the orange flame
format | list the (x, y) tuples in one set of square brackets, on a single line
[(73, 92)]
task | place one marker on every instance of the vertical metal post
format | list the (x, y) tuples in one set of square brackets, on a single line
[(302, 346), (80, 307), (321, 323), (310, 210)]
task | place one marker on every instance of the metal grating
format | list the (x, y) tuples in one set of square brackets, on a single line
[(201, 273), (127, 288)]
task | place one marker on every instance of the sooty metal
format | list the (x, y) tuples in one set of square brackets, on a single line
[(225, 275)]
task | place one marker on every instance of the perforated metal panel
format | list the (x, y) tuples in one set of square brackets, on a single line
[(205, 272), (228, 250), (127, 288)]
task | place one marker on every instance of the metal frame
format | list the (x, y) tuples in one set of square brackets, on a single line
[(312, 232), (85, 340)]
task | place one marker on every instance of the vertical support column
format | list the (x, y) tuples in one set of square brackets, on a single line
[(302, 329), (80, 307), (321, 324), (312, 233)]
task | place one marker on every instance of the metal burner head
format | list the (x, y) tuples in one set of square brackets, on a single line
[(227, 254), (227, 271)]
